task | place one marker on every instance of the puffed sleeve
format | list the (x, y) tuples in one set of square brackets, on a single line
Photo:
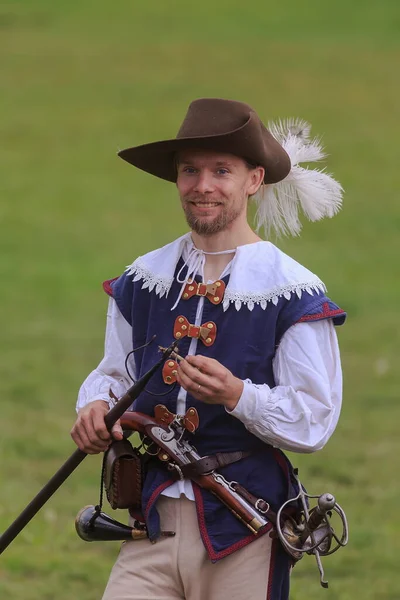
[(301, 412), (111, 372)]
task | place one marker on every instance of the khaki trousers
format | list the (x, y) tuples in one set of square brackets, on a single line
[(179, 568)]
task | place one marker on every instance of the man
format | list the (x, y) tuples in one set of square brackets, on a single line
[(262, 364)]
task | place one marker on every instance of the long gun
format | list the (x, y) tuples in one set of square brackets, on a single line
[(77, 457)]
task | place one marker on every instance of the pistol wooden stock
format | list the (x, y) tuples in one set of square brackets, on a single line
[(136, 421), (208, 482)]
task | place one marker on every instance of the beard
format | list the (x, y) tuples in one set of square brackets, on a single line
[(203, 226)]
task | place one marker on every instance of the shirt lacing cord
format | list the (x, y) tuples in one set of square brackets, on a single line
[(194, 262)]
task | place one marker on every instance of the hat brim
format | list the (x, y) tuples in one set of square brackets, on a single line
[(159, 158)]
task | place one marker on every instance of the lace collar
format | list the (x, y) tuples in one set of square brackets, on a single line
[(259, 273)]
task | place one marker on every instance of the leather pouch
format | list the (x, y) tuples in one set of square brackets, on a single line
[(123, 475)]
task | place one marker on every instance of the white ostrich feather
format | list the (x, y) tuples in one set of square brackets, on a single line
[(316, 192), (290, 127)]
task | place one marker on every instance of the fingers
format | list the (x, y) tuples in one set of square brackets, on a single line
[(210, 366), (89, 431), (191, 385), (96, 428), (208, 380), (202, 377), (189, 372), (116, 431), (83, 442)]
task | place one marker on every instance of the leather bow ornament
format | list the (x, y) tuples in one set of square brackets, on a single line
[(190, 420), (214, 292), (206, 332), (169, 371)]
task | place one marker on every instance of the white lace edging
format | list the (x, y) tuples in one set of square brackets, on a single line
[(162, 286), (250, 300), (139, 270)]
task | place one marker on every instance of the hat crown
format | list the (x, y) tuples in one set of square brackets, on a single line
[(214, 116)]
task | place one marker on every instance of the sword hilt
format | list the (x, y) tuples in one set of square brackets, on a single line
[(311, 531), (326, 503)]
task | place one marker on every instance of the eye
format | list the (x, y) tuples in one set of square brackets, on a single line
[(189, 170), (222, 171)]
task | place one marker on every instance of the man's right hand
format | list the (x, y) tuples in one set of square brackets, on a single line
[(90, 433)]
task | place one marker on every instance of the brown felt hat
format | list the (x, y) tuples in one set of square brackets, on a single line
[(220, 125)]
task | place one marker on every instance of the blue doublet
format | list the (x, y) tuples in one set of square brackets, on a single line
[(245, 343)]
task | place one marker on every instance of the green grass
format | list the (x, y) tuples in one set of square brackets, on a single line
[(80, 80)]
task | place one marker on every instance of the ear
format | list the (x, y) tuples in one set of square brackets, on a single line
[(256, 178)]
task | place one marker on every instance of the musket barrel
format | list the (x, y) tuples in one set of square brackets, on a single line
[(126, 400), (76, 458), (41, 498)]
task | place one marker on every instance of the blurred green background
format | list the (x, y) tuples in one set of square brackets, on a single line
[(80, 80)]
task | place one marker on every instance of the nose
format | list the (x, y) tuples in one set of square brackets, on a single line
[(204, 183)]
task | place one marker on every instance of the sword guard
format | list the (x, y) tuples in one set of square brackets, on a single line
[(312, 532)]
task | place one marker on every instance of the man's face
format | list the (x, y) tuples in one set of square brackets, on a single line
[(213, 189)]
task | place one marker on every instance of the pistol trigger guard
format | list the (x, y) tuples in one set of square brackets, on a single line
[(175, 467)]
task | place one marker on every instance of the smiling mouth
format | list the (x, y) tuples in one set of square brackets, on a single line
[(206, 204)]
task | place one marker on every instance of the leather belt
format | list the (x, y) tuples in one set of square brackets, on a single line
[(210, 463)]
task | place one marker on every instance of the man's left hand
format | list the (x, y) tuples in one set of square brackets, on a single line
[(209, 381)]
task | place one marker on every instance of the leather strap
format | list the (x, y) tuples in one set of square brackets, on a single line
[(221, 459), (210, 463), (261, 504)]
